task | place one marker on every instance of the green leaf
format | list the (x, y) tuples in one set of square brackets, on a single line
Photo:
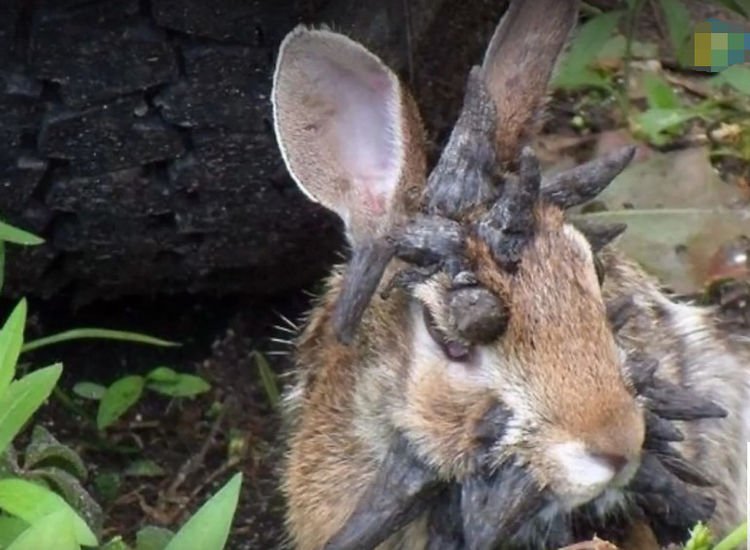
[(32, 502), (96, 334), (575, 71), (55, 530), (89, 390), (700, 538), (144, 468), (733, 540), (10, 528), (162, 374), (11, 340), (23, 397), (73, 492), (657, 123), (119, 397), (679, 26), (678, 212), (659, 94), (45, 450), (153, 538), (116, 544), (208, 529), (108, 486), (11, 234), (2, 264), (186, 385), (267, 378), (614, 50), (736, 76)]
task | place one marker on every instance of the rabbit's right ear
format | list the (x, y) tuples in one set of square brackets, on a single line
[(339, 122)]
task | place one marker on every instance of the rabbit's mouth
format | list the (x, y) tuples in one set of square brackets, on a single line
[(502, 503)]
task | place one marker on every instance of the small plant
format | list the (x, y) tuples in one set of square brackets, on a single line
[(125, 392), (43, 504), (588, 66), (207, 529), (701, 538)]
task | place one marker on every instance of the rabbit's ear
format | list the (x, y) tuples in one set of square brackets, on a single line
[(338, 116), (519, 61)]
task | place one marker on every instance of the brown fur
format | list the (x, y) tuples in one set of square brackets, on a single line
[(558, 367)]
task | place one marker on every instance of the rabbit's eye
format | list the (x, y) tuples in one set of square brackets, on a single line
[(455, 351), (599, 267)]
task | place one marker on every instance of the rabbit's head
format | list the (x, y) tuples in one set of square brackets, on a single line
[(507, 309), (509, 353)]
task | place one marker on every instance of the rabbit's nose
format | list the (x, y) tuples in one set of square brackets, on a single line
[(586, 473), (615, 461)]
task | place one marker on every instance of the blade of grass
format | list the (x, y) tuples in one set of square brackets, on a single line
[(11, 340), (209, 528), (11, 234), (634, 8), (2, 264), (733, 539), (23, 398), (679, 28), (96, 334), (267, 378)]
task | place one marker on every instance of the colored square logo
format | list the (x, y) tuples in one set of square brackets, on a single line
[(717, 44)]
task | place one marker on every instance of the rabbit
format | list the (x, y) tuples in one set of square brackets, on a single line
[(482, 372)]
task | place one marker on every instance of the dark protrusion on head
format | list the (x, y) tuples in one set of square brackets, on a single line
[(682, 469), (464, 175), (582, 183), (641, 369), (403, 488), (676, 403), (360, 281), (660, 431), (666, 500), (494, 507), (671, 516), (599, 235), (509, 225), (490, 429), (428, 240), (476, 314), (445, 525), (620, 311)]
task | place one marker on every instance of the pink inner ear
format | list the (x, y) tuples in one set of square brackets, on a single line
[(363, 131)]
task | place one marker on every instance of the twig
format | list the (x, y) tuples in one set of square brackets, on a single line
[(183, 504), (409, 42), (192, 464), (594, 544), (632, 17)]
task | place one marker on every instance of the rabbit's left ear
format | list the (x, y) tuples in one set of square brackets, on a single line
[(339, 121)]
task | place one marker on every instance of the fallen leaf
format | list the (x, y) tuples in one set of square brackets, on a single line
[(679, 213)]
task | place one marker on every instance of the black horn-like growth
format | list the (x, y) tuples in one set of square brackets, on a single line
[(509, 225), (464, 175)]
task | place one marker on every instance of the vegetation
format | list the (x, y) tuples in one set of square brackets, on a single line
[(43, 503)]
